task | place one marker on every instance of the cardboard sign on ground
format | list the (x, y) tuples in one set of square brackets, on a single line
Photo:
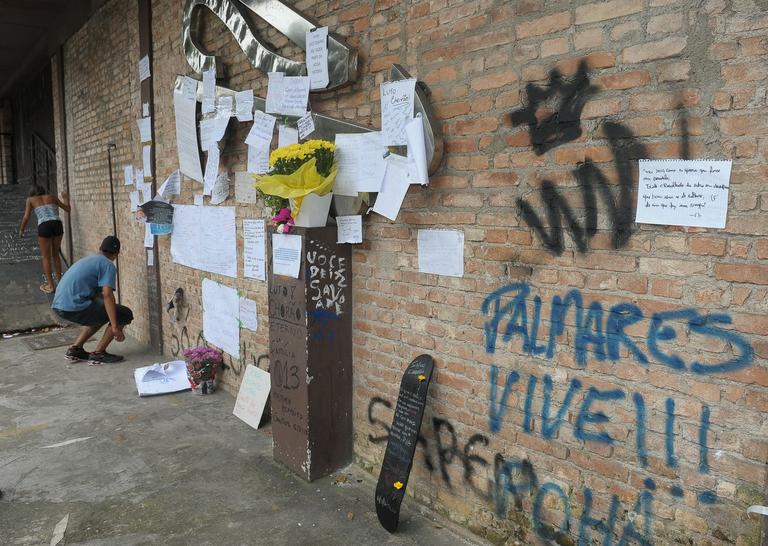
[(253, 395)]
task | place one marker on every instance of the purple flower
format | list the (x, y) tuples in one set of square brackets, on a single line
[(203, 355)]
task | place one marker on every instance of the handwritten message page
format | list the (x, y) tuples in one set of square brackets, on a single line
[(205, 238), (396, 110), (317, 57), (254, 249), (683, 192)]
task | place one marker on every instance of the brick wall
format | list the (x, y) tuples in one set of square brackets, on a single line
[(102, 102), (598, 411)]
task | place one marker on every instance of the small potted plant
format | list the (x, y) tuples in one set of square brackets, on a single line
[(202, 365)]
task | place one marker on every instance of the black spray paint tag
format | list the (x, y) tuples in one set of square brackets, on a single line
[(398, 458)]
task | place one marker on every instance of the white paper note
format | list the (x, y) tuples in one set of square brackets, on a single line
[(150, 257), (254, 249), (208, 133), (244, 105), (171, 186), (396, 110), (149, 239), (295, 95), (221, 317), (417, 152), (138, 177), (274, 92), (286, 254), (681, 192), (145, 129), (361, 164), (205, 238), (258, 158), (317, 57), (128, 175), (146, 191), (349, 229), (306, 125), (147, 160), (252, 396), (209, 91), (144, 71), (245, 188), (393, 189), (221, 120), (144, 109), (248, 317), (286, 136), (197, 200), (185, 109), (441, 251), (211, 170), (262, 129), (134, 197), (220, 190)]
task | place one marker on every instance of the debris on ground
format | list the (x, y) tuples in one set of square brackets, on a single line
[(59, 530), (341, 479)]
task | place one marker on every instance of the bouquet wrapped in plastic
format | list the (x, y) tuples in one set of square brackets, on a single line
[(202, 365), (296, 171)]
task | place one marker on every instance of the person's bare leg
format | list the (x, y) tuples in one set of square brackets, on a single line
[(106, 339), (45, 253), (85, 334), (56, 256)]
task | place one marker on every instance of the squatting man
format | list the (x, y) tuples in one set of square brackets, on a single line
[(85, 295)]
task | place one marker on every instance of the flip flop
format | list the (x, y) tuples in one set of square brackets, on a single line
[(44, 288)]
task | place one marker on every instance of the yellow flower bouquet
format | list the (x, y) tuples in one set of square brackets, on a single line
[(296, 171)]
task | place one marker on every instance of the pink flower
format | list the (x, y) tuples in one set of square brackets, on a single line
[(283, 220), (283, 216)]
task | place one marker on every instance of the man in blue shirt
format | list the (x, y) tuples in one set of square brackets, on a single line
[(85, 295)]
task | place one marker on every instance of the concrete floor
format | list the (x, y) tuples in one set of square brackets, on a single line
[(174, 469)]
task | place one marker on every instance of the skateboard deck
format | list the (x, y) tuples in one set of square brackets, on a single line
[(401, 445)]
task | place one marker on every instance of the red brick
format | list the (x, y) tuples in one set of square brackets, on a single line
[(753, 274), (749, 124), (474, 126), (495, 180), (761, 249), (543, 25), (707, 246), (595, 60), (626, 80), (744, 72), (602, 11), (493, 81), (634, 284), (662, 100), (653, 51)]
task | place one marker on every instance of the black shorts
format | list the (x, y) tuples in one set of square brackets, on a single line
[(50, 228), (96, 314)]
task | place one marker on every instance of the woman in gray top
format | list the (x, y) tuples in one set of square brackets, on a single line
[(50, 230)]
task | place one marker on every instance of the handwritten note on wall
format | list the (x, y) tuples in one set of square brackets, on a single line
[(396, 110), (683, 192)]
